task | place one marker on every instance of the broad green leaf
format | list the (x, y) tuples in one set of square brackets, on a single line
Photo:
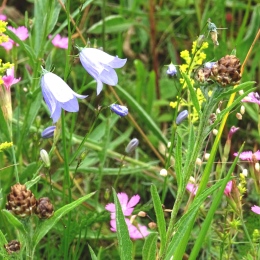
[(47, 224), (124, 242), (30, 183), (160, 219), (150, 246), (92, 253), (113, 24), (4, 126), (140, 80), (146, 119)]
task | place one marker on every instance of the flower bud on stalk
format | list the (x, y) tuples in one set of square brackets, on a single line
[(132, 145), (182, 116)]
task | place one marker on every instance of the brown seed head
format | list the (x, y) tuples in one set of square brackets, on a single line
[(20, 201), (13, 247), (44, 208)]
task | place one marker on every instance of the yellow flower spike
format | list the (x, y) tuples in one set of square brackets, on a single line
[(5, 145)]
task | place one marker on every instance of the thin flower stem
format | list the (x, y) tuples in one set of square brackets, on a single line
[(119, 171), (84, 139)]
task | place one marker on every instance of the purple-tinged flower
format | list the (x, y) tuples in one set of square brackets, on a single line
[(171, 70), (127, 206), (249, 156), (119, 110), (228, 188), (9, 79), (100, 66), (57, 95), (252, 97), (182, 116), (3, 17), (135, 232), (232, 130), (60, 42), (209, 65), (48, 132), (192, 188), (132, 145), (21, 32), (256, 209)]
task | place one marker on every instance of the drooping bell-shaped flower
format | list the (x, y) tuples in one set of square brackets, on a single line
[(100, 66), (57, 95), (119, 110)]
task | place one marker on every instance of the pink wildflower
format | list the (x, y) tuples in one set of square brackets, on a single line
[(252, 97), (21, 32), (135, 232), (232, 130), (192, 188), (256, 209), (228, 188), (9, 79), (60, 42), (3, 17), (127, 206), (249, 156)]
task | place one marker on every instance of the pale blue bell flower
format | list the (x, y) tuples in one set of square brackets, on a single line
[(182, 116), (100, 66), (48, 132), (119, 110), (132, 145), (58, 95), (171, 70)]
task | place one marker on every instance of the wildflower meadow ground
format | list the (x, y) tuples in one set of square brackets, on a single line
[(129, 130)]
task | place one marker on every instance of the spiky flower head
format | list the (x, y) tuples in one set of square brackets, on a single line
[(44, 208), (20, 201), (13, 246)]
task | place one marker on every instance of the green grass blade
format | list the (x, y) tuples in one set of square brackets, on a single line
[(124, 242), (159, 217), (150, 245), (92, 253)]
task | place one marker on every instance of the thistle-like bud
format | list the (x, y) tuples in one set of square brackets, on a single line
[(20, 201), (13, 246), (132, 145), (44, 208), (225, 71)]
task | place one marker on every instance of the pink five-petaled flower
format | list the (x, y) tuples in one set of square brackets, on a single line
[(21, 32), (127, 206), (252, 97), (249, 156), (60, 42), (100, 66), (192, 188), (135, 232), (9, 79), (256, 209), (228, 188)]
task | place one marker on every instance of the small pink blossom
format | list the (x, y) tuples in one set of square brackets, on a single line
[(249, 156), (21, 32), (192, 188), (228, 188), (232, 130), (3, 17), (252, 97), (9, 79), (60, 42), (127, 206), (135, 232), (256, 209)]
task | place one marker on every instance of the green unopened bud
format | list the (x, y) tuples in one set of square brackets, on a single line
[(107, 194), (132, 145), (45, 158)]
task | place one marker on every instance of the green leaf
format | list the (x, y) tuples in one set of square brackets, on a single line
[(113, 24), (150, 92), (4, 126), (146, 119), (124, 242), (185, 224), (160, 219), (92, 253), (47, 224), (178, 162), (193, 94), (150, 246)]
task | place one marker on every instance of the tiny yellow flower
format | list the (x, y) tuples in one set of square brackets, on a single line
[(5, 145)]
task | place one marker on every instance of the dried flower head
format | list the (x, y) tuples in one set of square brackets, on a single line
[(44, 208), (13, 246)]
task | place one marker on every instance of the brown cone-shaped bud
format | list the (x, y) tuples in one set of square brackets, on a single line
[(44, 208), (20, 201), (13, 246), (152, 225), (225, 71)]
